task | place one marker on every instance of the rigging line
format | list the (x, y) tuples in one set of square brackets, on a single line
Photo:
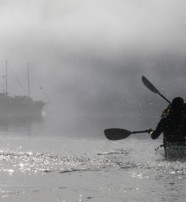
[(40, 87), (18, 81), (1, 85)]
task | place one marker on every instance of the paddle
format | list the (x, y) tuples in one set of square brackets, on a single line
[(151, 87), (119, 133)]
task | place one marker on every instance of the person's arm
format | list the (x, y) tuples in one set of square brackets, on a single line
[(159, 129)]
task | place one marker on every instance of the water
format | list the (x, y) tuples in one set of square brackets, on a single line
[(47, 168)]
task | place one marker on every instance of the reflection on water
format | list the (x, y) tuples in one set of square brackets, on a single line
[(23, 124)]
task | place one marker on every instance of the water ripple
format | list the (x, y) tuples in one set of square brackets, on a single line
[(29, 162), (49, 162)]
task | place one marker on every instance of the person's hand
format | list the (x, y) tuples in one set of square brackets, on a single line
[(150, 130)]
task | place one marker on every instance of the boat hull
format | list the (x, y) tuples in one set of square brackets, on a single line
[(173, 151), (19, 106)]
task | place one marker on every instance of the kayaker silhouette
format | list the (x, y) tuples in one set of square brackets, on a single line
[(172, 123)]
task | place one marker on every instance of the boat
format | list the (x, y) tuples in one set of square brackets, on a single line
[(173, 151), (14, 106)]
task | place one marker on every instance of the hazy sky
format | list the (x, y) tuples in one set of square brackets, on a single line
[(89, 56)]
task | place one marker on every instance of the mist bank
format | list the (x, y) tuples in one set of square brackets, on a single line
[(105, 94), (89, 58)]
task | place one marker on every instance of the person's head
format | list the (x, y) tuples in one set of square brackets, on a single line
[(177, 104)]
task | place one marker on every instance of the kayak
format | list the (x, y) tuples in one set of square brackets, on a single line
[(173, 151)]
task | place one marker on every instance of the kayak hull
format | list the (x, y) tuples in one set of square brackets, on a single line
[(173, 151)]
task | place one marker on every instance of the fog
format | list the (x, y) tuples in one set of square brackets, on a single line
[(89, 57)]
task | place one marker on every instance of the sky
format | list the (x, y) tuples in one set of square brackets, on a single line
[(89, 56)]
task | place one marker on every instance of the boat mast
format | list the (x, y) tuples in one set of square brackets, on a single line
[(6, 90), (28, 74)]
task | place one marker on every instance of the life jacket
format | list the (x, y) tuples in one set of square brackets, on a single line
[(174, 129)]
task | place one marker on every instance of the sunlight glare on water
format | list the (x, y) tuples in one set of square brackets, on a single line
[(71, 169)]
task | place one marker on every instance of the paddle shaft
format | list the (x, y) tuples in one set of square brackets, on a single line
[(164, 98), (141, 131)]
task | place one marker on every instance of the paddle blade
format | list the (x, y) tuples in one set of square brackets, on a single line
[(116, 133), (149, 85)]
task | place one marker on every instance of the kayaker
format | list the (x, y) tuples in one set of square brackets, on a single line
[(171, 123), (184, 121), (184, 109)]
